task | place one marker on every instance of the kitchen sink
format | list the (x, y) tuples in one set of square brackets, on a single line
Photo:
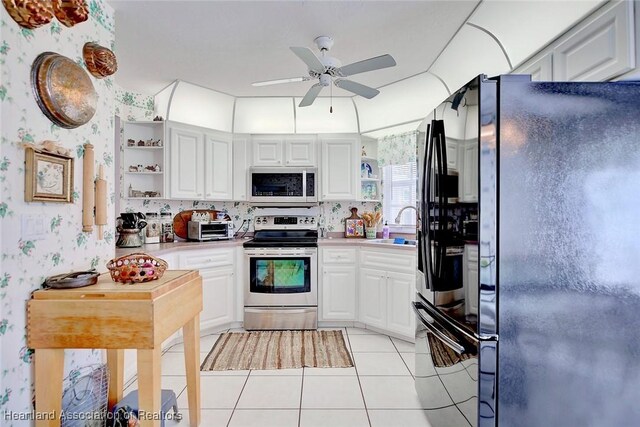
[(406, 242)]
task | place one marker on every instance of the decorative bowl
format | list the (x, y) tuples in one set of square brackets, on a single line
[(136, 268)]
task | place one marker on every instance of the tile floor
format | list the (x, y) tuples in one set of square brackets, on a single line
[(377, 392)]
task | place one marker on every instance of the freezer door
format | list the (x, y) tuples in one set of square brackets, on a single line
[(446, 373), (569, 252)]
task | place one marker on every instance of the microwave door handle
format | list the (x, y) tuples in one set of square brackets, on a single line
[(304, 185)]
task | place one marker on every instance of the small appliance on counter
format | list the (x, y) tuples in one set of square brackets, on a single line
[(129, 225), (203, 231)]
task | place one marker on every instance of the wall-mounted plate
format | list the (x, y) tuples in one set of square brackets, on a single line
[(63, 90)]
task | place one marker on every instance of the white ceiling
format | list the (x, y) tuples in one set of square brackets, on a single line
[(227, 45)]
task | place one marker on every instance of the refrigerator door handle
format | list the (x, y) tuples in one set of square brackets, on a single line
[(472, 336), (426, 200), (459, 349)]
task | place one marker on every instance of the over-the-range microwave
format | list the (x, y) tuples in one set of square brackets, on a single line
[(283, 185)]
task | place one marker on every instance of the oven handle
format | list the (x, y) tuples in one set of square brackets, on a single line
[(280, 254)]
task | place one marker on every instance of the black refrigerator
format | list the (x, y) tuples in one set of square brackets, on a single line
[(528, 289)]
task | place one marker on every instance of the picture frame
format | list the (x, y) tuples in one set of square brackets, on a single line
[(48, 177)]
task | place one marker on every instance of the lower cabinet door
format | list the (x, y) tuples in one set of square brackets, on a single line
[(218, 297), (373, 296), (338, 292), (400, 291)]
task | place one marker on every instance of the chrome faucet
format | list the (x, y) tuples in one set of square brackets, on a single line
[(397, 220)]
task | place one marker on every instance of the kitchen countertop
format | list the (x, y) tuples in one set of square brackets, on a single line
[(163, 248)]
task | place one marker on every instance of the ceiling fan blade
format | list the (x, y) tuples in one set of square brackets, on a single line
[(311, 95), (382, 61), (357, 88), (279, 81), (309, 58)]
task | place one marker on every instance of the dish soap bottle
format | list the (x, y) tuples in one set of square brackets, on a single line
[(385, 231)]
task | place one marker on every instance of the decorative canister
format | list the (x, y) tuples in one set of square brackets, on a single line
[(152, 232), (166, 219)]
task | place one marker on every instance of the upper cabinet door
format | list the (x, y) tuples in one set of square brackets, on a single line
[(469, 174), (599, 48), (186, 159), (218, 175), (340, 168), (240, 166), (300, 151), (540, 68), (267, 151)]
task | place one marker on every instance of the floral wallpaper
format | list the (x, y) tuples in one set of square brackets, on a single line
[(397, 149), (133, 106), (64, 247)]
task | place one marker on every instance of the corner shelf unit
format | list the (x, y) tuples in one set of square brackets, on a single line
[(370, 172), (143, 184)]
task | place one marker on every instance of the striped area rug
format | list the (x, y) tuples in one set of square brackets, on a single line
[(278, 350)]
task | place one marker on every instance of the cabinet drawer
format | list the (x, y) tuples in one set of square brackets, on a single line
[(338, 256), (388, 260), (206, 258)]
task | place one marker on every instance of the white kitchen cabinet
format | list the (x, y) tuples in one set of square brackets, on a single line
[(217, 268), (218, 168), (284, 150), (300, 150), (470, 278), (200, 162), (340, 168), (338, 284), (387, 286), (373, 297), (338, 292), (267, 151), (240, 166), (218, 297), (469, 174), (599, 48), (540, 67), (186, 174)]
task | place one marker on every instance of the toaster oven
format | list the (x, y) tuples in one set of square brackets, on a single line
[(209, 230)]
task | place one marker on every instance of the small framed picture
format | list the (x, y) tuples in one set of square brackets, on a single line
[(48, 177)]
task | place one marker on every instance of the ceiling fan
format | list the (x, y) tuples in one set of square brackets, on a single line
[(326, 68)]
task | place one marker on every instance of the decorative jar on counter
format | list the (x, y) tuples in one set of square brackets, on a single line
[(152, 231), (166, 220)]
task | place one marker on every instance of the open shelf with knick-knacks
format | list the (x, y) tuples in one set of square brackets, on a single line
[(143, 159), (370, 173)]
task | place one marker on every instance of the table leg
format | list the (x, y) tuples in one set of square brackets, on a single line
[(115, 362), (191, 334), (49, 369), (149, 387)]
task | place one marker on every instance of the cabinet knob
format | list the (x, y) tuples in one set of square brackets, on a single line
[(199, 194), (208, 194), (288, 162)]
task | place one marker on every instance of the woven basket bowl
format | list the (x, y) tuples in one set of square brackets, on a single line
[(136, 268)]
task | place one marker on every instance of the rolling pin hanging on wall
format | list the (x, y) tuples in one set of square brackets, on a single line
[(101, 202), (88, 195)]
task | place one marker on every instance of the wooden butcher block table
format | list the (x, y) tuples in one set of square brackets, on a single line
[(116, 317)]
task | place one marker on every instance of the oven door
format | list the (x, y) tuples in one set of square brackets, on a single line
[(280, 277)]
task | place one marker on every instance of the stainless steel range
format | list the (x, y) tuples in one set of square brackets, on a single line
[(281, 290)]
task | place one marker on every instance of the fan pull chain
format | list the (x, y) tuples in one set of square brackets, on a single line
[(331, 98)]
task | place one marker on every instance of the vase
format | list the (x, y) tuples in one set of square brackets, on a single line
[(371, 232)]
